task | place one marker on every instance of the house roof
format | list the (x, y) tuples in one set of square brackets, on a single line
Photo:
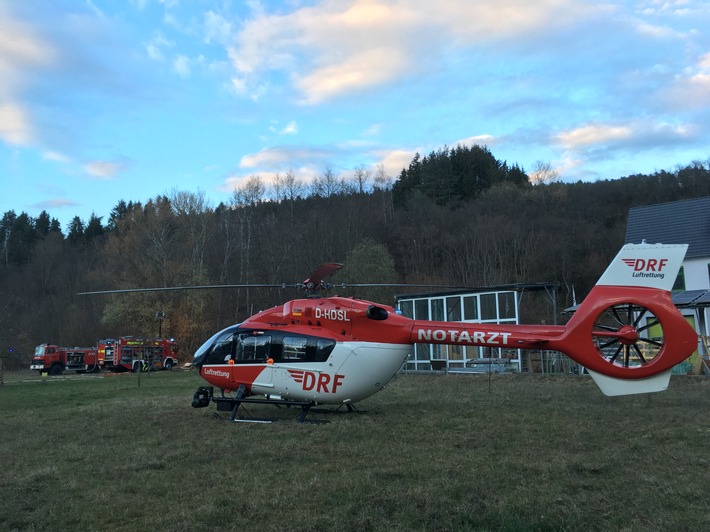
[(692, 298), (676, 222)]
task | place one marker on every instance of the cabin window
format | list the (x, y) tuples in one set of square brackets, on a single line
[(253, 348), (323, 349), (294, 348)]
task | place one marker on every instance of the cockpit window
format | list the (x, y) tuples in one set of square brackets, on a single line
[(223, 349), (216, 349)]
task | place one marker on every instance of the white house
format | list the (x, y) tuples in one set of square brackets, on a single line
[(681, 222)]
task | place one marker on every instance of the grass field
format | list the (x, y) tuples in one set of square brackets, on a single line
[(432, 452)]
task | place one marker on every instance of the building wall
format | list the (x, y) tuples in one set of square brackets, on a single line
[(474, 307), (697, 273)]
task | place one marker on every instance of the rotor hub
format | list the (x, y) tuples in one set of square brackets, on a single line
[(628, 335)]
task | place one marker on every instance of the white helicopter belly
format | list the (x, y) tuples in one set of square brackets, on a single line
[(354, 371)]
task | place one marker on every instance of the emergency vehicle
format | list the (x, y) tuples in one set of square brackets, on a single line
[(129, 353), (126, 353), (55, 360)]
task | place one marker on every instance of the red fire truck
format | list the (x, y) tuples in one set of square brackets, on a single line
[(55, 360), (129, 353)]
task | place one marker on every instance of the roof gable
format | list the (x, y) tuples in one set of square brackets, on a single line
[(676, 222)]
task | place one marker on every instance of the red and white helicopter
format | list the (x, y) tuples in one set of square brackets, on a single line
[(338, 350)]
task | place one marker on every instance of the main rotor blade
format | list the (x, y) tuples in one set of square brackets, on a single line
[(395, 285), (172, 288)]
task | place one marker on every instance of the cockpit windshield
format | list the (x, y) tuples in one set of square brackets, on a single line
[(39, 350), (218, 341)]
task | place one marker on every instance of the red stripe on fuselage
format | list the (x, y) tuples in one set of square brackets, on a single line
[(231, 376)]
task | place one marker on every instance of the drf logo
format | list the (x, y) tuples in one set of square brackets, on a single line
[(646, 265), (322, 382)]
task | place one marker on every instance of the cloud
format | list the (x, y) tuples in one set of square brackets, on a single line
[(358, 71), (637, 135), (478, 140), (15, 127), (157, 45), (217, 29), (55, 156), (182, 66), (290, 129), (373, 131), (334, 47), (593, 134), (692, 89), (393, 161), (280, 157), (23, 53), (105, 169), (56, 203)]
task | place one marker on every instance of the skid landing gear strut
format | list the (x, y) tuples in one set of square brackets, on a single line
[(205, 394)]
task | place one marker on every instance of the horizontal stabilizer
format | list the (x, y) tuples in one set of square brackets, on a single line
[(612, 386)]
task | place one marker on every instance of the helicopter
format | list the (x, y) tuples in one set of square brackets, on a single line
[(341, 350)]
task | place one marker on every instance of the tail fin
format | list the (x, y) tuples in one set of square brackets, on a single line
[(637, 334), (645, 265)]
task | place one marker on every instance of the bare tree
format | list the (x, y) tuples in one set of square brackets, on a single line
[(278, 186), (543, 173), (329, 182), (360, 177), (249, 193), (293, 187), (381, 180)]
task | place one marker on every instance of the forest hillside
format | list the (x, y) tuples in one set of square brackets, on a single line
[(454, 217)]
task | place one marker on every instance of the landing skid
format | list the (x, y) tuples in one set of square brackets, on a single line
[(349, 408), (234, 405)]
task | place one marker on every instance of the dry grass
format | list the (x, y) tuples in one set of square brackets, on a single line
[(433, 452)]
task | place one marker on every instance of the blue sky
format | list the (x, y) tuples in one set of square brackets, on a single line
[(105, 100)]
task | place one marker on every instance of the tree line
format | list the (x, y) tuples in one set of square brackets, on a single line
[(454, 217)]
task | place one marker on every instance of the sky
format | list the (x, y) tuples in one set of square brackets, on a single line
[(108, 100)]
